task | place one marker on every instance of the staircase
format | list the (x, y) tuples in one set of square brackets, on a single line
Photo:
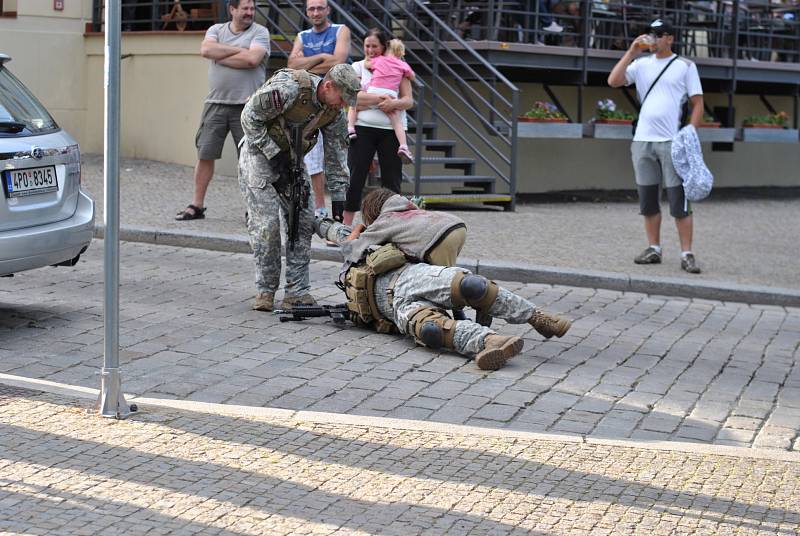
[(467, 187), (463, 129)]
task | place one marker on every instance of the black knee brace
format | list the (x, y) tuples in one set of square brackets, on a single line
[(433, 328), (475, 291), (430, 334)]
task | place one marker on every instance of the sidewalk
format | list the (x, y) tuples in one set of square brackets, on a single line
[(746, 247), (210, 469)]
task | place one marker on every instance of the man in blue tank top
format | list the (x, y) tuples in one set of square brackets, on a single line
[(317, 50)]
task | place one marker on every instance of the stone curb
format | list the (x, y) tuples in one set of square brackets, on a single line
[(86, 393), (502, 270)]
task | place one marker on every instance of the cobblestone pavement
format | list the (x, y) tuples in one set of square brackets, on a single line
[(633, 366), (165, 471), (744, 241)]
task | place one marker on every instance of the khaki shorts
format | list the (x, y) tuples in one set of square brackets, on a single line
[(445, 252), (217, 120)]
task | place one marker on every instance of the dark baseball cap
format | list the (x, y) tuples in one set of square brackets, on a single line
[(660, 27)]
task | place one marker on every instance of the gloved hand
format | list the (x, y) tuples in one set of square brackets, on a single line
[(321, 213)]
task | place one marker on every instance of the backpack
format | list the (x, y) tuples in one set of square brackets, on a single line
[(687, 158)]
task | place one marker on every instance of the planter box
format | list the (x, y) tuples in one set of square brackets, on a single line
[(613, 121), (549, 130), (606, 131), (770, 135), (523, 119), (709, 134)]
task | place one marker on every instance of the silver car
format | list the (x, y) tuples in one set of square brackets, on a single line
[(45, 217)]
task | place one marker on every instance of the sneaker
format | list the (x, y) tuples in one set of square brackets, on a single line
[(405, 155), (688, 264), (265, 301), (648, 256), (553, 27), (498, 349), (291, 301), (549, 324)]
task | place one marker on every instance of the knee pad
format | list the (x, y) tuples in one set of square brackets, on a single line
[(648, 200), (473, 290), (433, 328)]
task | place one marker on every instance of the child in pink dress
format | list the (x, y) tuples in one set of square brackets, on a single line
[(388, 72)]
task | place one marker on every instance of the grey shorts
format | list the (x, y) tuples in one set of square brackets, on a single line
[(315, 158), (652, 166), (217, 120)]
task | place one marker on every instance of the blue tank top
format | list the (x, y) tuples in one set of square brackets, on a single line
[(318, 43)]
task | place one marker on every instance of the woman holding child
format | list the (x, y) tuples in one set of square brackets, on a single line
[(373, 128)]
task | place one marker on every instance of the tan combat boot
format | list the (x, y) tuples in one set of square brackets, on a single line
[(497, 349), (291, 301), (549, 324), (265, 301)]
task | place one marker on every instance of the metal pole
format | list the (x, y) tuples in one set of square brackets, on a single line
[(419, 139), (111, 402), (512, 172)]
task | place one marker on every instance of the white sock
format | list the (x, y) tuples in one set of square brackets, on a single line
[(657, 248), (685, 253)]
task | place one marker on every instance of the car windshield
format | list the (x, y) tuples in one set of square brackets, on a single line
[(20, 112)]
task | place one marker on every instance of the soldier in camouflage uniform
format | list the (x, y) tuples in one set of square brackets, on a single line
[(415, 296), (288, 99)]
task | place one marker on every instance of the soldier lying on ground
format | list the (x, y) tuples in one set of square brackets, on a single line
[(423, 235), (386, 292)]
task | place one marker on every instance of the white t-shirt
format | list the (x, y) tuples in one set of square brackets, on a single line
[(659, 118), (373, 117)]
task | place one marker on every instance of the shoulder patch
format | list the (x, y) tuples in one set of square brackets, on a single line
[(276, 99)]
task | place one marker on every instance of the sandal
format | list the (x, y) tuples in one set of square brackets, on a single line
[(196, 214)]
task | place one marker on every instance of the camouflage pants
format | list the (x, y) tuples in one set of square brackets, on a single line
[(265, 208), (425, 285)]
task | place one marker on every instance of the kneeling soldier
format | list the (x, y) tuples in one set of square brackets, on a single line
[(386, 292)]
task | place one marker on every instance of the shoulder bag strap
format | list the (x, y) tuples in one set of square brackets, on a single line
[(656, 80)]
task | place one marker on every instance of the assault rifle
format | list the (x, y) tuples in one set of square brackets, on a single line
[(339, 313), (298, 189)]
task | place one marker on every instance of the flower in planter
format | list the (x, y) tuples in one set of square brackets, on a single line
[(544, 110), (708, 121), (607, 109), (780, 119)]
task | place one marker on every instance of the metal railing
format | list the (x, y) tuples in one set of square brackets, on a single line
[(472, 100), (760, 30), (754, 29)]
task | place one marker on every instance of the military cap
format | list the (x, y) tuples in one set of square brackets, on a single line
[(346, 79)]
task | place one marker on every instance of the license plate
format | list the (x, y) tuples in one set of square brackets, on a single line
[(31, 181)]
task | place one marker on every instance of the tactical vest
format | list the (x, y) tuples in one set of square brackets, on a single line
[(301, 112), (359, 286)]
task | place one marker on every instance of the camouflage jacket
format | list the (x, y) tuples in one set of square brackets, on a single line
[(277, 95)]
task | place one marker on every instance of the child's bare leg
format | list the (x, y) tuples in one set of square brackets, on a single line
[(397, 124)]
